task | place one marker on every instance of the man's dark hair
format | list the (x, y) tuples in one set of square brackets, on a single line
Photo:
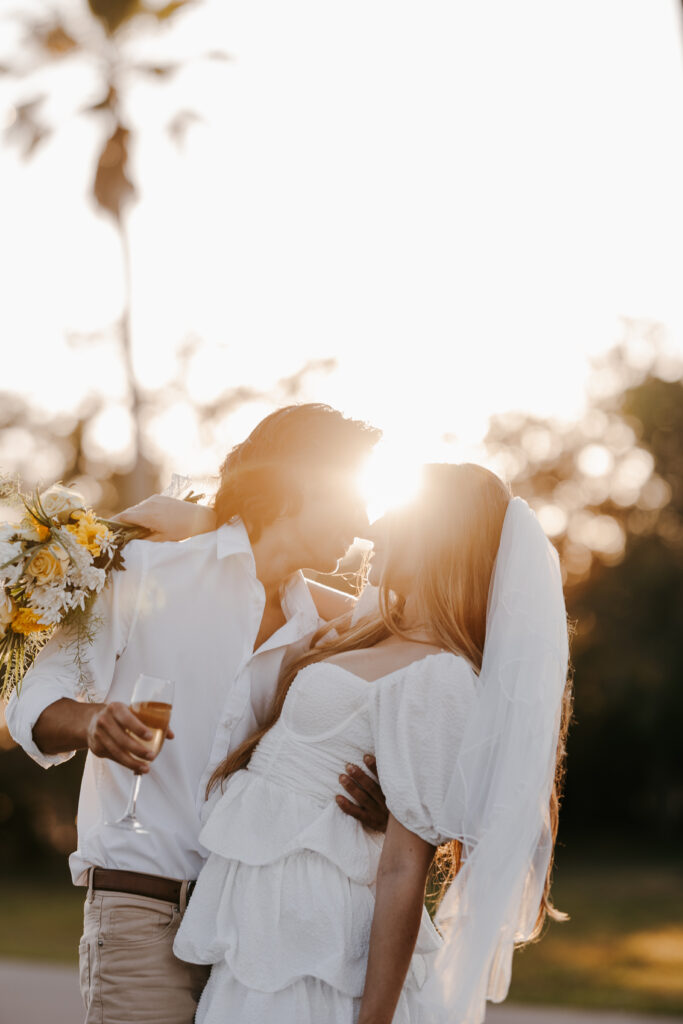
[(259, 478)]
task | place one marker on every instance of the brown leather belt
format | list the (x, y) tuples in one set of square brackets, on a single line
[(135, 883)]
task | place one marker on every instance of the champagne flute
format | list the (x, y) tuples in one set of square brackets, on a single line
[(151, 702)]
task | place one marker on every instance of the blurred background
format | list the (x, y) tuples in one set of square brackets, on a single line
[(460, 221)]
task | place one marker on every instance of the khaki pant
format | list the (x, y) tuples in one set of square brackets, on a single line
[(128, 972)]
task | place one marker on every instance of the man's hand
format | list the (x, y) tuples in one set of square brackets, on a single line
[(109, 735), (368, 804), (68, 725)]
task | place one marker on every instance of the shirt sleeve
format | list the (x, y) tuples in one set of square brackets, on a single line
[(55, 673), (418, 721)]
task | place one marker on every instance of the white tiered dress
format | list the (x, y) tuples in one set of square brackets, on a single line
[(284, 904)]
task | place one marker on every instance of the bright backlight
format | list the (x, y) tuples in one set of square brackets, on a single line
[(391, 477)]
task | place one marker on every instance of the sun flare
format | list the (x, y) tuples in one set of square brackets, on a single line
[(391, 477)]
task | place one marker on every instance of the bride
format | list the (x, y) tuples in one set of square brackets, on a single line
[(457, 685)]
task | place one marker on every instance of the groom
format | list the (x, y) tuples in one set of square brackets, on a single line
[(219, 615)]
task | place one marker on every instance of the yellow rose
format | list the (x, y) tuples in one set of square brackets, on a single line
[(59, 502), (26, 621), (6, 612), (48, 564)]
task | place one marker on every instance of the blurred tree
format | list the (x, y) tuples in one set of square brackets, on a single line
[(609, 491), (41, 449), (104, 34)]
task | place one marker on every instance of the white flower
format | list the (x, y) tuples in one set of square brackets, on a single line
[(59, 502), (9, 551), (6, 611), (28, 531), (77, 599), (94, 579), (107, 544), (11, 574), (49, 602), (81, 559), (8, 531), (81, 572)]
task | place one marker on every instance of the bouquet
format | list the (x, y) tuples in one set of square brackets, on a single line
[(53, 564)]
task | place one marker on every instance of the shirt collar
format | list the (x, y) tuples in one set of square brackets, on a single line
[(233, 539), (300, 612), (297, 599)]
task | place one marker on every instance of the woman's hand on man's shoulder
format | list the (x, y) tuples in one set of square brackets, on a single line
[(169, 518)]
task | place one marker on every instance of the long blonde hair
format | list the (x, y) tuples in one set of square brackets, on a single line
[(457, 525)]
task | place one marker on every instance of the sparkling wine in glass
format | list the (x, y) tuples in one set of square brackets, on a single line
[(151, 702)]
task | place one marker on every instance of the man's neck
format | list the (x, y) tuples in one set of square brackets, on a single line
[(274, 566), (273, 560)]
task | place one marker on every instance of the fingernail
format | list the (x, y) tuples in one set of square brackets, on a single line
[(343, 778), (351, 769), (368, 758)]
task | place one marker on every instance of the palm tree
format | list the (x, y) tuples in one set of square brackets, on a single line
[(103, 34)]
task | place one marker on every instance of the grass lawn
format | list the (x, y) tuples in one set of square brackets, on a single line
[(41, 920), (623, 945), (622, 948)]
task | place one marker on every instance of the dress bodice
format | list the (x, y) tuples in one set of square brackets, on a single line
[(325, 724)]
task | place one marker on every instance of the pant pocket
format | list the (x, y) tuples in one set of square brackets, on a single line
[(130, 924), (84, 971)]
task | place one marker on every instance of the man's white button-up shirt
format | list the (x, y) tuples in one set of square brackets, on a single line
[(189, 612)]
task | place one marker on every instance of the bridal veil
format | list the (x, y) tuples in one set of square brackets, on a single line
[(498, 800)]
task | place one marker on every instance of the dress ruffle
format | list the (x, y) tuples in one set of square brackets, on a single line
[(253, 908), (258, 822), (307, 1002)]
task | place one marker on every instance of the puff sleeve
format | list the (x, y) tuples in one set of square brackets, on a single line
[(418, 721)]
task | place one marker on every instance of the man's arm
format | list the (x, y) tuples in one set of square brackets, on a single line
[(401, 879), (67, 725)]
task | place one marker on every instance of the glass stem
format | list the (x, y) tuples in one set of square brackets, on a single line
[(133, 799)]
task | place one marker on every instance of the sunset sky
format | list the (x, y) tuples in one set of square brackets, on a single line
[(457, 201)]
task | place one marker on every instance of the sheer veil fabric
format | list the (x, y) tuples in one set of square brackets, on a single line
[(497, 803)]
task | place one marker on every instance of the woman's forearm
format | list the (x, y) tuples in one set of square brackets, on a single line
[(398, 910), (170, 518)]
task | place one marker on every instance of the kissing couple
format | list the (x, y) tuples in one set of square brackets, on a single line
[(252, 890)]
